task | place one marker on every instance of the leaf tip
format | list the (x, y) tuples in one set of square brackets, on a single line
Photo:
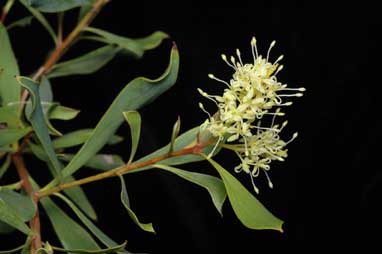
[(174, 46)]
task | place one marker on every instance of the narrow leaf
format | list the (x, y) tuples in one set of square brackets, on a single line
[(174, 134), (89, 224), (247, 208), (5, 228), (135, 46), (57, 5), (69, 232), (45, 90), (108, 250), (214, 185), (4, 167), (137, 93), (9, 136), (39, 125), (23, 22), (125, 201), (134, 120), (79, 137), (9, 115), (9, 216), (41, 19), (22, 205), (63, 113), (102, 162), (9, 88), (86, 64)]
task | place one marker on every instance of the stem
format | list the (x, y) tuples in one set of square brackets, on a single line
[(196, 149), (34, 223), (5, 10), (62, 47)]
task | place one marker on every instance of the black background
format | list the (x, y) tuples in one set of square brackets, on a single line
[(328, 189)]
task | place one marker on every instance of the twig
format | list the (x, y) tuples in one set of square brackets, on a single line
[(196, 149), (34, 223)]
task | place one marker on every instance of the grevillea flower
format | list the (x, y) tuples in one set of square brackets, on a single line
[(252, 93)]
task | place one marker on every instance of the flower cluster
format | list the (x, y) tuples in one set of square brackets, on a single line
[(252, 93)]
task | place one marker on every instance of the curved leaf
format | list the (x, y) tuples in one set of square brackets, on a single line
[(70, 233), (247, 208), (108, 250), (45, 90), (39, 125), (6, 163), (134, 120), (9, 136), (136, 94), (79, 137), (93, 228), (63, 113), (41, 19), (102, 162), (214, 185), (52, 6), (26, 21), (174, 134), (9, 115), (10, 216), (126, 203), (21, 204), (9, 88), (135, 46), (86, 64)]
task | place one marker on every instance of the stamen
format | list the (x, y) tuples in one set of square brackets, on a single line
[(233, 61), (211, 76), (224, 57), (216, 145), (295, 135), (279, 59), (291, 95), (205, 111), (270, 184), (300, 89), (254, 47), (285, 104), (254, 185), (278, 69), (270, 48), (239, 56)]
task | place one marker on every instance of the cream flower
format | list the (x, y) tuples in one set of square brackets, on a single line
[(252, 93)]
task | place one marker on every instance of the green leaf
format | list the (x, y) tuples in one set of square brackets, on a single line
[(79, 197), (134, 120), (102, 162), (39, 125), (71, 234), (9, 136), (10, 216), (41, 19), (52, 6), (86, 64), (4, 167), (174, 135), (5, 228), (22, 205), (89, 224), (136, 94), (248, 209), (187, 139), (13, 250), (45, 90), (63, 113), (125, 201), (9, 115), (108, 250), (9, 88), (135, 46), (23, 22), (214, 185), (79, 137)]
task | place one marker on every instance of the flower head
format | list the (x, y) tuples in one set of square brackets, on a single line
[(252, 93)]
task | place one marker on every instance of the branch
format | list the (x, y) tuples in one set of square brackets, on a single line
[(196, 149), (62, 47), (34, 223)]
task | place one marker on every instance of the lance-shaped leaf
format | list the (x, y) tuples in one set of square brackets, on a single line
[(86, 64), (136, 94), (174, 134), (12, 218), (23, 22), (21, 204), (57, 5), (9, 88), (8, 115), (45, 90), (107, 250), (63, 113), (40, 18), (102, 162), (247, 208), (5, 165), (71, 234), (9, 136), (79, 137), (134, 120), (107, 241), (213, 185), (126, 203), (39, 125), (135, 46)]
